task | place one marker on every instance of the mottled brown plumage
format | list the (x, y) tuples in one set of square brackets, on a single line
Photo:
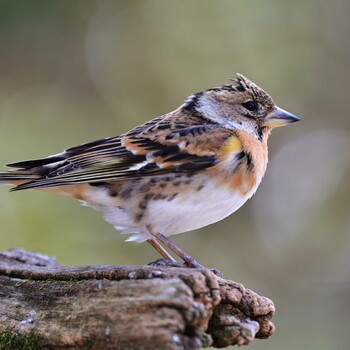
[(178, 172)]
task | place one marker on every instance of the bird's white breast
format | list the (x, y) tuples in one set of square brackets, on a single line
[(195, 209), (189, 210)]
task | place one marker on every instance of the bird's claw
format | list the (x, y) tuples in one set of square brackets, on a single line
[(188, 264), (165, 263), (217, 272)]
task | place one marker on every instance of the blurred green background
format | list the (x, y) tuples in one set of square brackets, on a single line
[(75, 71)]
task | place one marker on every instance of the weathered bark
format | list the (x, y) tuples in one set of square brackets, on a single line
[(48, 306)]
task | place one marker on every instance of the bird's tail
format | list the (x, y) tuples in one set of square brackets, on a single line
[(28, 170), (16, 177)]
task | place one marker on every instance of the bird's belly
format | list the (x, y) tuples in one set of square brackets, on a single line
[(183, 209), (194, 209)]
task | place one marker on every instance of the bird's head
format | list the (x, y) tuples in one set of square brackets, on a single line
[(241, 105)]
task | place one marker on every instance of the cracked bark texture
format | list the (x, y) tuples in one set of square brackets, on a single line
[(48, 306)]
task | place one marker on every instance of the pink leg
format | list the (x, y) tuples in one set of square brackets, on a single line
[(160, 250), (189, 261)]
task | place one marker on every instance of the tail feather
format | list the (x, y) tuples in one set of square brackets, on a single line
[(16, 177), (29, 170), (29, 164)]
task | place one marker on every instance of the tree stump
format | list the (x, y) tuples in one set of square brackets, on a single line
[(48, 306)]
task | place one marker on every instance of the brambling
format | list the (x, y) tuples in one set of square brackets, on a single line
[(179, 172)]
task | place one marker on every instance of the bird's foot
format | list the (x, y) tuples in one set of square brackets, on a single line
[(217, 272), (165, 263), (188, 264), (192, 263)]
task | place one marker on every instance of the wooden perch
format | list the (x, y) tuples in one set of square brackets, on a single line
[(48, 306)]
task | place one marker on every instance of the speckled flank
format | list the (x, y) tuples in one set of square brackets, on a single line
[(162, 188)]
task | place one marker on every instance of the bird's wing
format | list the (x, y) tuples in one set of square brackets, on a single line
[(155, 148)]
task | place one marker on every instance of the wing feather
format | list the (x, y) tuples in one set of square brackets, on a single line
[(153, 150)]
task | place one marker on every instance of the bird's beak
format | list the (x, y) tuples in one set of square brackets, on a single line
[(279, 117)]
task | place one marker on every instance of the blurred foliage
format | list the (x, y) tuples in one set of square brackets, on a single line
[(77, 71)]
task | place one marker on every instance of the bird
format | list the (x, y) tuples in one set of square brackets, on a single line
[(176, 173)]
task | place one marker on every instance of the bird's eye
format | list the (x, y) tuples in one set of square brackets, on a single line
[(250, 105)]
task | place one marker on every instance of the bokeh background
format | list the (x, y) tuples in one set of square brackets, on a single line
[(75, 71)]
